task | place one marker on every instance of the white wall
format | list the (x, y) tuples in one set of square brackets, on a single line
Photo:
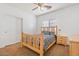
[(67, 19), (8, 30), (29, 23)]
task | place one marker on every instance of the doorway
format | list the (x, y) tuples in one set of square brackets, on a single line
[(10, 30)]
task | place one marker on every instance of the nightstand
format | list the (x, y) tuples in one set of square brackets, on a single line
[(62, 40)]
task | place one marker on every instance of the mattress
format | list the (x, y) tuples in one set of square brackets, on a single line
[(48, 39)]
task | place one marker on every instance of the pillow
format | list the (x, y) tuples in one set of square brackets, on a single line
[(48, 33), (51, 33), (45, 33)]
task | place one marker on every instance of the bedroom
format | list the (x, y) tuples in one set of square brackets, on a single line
[(20, 21)]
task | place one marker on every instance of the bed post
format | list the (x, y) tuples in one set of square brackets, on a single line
[(41, 44)]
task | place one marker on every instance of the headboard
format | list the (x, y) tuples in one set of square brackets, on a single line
[(50, 30)]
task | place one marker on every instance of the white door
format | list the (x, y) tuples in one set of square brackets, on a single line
[(10, 30)]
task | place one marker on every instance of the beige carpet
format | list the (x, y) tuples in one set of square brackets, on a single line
[(16, 50)]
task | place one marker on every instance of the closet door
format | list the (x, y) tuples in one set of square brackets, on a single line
[(10, 30)]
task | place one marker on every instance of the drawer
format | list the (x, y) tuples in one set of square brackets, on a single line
[(60, 39), (59, 42)]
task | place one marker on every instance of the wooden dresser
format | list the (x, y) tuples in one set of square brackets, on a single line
[(62, 40), (74, 47)]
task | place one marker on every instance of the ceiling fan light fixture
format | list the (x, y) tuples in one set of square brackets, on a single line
[(41, 6)]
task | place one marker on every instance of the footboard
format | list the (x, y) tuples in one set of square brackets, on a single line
[(34, 42)]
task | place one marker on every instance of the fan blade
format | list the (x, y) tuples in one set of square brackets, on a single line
[(48, 7), (35, 8), (39, 4), (35, 3)]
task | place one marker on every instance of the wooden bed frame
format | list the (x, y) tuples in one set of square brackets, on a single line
[(30, 41)]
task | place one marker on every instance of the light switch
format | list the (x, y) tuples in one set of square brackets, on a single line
[(59, 29)]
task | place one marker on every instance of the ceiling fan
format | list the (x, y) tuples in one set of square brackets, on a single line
[(41, 5)]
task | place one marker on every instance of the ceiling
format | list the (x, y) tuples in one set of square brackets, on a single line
[(29, 6), (55, 6)]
